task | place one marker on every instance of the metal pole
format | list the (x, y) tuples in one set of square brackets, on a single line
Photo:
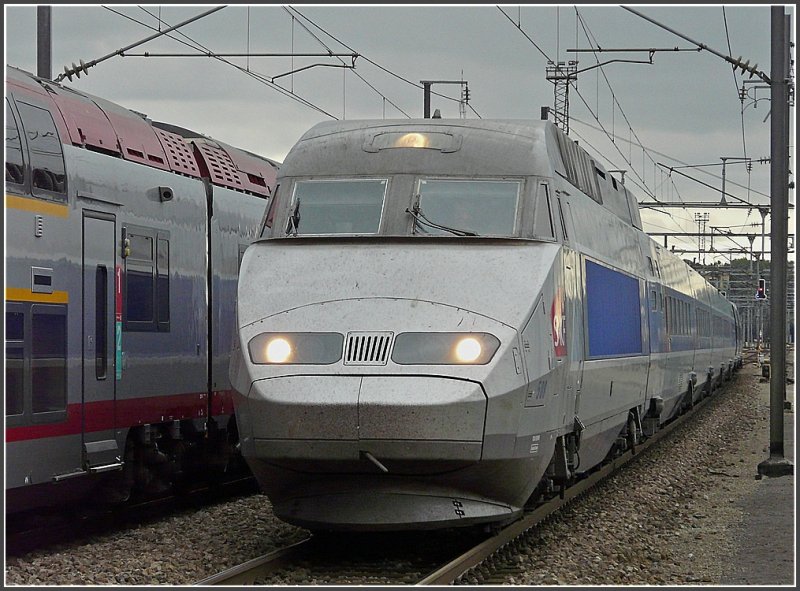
[(426, 101), (44, 50), (777, 465)]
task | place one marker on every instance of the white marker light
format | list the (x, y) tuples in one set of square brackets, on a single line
[(278, 350), (468, 350)]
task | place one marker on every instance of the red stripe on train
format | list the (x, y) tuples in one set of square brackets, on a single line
[(129, 413)]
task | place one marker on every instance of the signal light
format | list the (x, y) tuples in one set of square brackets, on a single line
[(761, 292)]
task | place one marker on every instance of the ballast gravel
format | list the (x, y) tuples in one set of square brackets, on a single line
[(667, 519)]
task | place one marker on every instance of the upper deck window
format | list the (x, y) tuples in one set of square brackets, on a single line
[(15, 165), (482, 208), (48, 176), (351, 206)]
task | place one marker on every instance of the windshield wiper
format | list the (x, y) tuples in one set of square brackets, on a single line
[(294, 220), (419, 218)]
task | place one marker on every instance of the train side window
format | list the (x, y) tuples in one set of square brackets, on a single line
[(48, 176), (563, 221), (543, 222), (48, 358), (269, 214), (653, 300), (15, 162), (147, 297), (15, 347)]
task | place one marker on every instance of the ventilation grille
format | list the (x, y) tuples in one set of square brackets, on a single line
[(367, 348), (220, 166), (178, 153)]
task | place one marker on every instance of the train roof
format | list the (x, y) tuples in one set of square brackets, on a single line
[(93, 123)]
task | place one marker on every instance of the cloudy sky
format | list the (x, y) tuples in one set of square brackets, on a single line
[(683, 109)]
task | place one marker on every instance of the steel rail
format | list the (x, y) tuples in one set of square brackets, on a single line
[(247, 572), (473, 557)]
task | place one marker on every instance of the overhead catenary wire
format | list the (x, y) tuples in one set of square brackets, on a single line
[(735, 81), (654, 151), (199, 47), (377, 65), (382, 95), (83, 67)]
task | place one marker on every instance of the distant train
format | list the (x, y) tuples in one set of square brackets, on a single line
[(445, 320), (124, 238)]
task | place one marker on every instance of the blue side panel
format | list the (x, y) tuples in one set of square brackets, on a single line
[(613, 312)]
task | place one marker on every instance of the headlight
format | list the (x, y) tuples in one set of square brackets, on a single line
[(444, 348), (310, 348)]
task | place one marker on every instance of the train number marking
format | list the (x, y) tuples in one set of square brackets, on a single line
[(458, 510)]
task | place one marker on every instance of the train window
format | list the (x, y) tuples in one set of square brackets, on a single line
[(15, 163), (147, 297), (140, 286), (337, 207), (48, 175), (269, 213), (483, 208), (543, 222), (15, 337), (49, 358), (100, 323), (653, 300), (563, 221)]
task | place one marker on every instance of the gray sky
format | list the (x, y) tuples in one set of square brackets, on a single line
[(684, 108)]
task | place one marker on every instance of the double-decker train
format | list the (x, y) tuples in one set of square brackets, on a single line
[(445, 319), (123, 243)]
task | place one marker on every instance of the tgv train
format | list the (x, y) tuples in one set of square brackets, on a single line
[(123, 243), (445, 319)]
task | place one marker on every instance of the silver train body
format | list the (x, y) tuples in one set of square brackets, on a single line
[(446, 318), (123, 242)]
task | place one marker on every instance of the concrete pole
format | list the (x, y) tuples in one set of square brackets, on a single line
[(44, 53), (777, 464)]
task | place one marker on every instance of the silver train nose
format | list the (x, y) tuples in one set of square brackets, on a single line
[(350, 418)]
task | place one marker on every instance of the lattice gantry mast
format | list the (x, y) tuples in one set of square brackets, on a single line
[(561, 74)]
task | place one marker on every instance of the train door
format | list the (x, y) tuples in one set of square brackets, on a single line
[(100, 448)]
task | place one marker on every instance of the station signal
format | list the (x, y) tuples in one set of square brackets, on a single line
[(761, 292)]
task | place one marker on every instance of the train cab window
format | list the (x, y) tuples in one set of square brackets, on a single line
[(543, 220), (147, 297), (48, 358), (48, 176), (563, 221), (15, 163), (352, 206), (467, 207), (15, 346)]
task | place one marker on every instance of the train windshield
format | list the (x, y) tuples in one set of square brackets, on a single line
[(351, 206), (467, 207)]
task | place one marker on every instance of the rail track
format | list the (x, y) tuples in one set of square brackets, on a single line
[(438, 558)]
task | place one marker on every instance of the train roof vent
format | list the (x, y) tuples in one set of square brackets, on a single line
[(137, 138), (87, 123), (221, 168), (178, 153), (367, 348)]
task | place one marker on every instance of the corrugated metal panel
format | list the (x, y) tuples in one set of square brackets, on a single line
[(136, 136), (86, 122), (221, 168), (257, 175), (178, 153)]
